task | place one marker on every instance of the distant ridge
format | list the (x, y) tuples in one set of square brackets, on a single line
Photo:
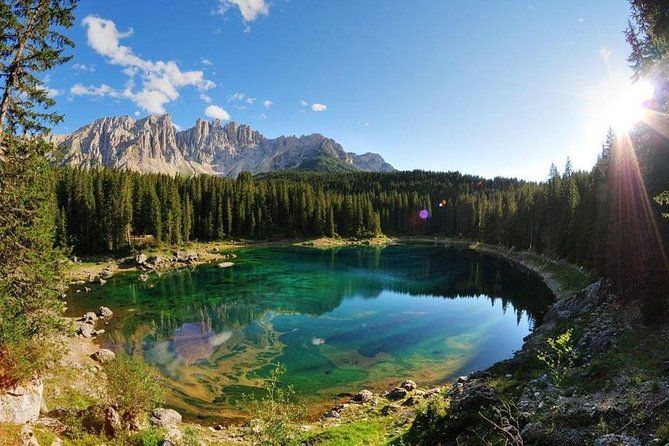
[(153, 144)]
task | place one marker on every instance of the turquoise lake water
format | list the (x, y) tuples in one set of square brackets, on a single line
[(337, 320)]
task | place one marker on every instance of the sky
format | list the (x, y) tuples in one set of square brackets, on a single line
[(494, 88)]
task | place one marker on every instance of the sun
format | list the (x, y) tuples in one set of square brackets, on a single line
[(622, 105)]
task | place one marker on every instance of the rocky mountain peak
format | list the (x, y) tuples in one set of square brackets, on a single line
[(152, 144)]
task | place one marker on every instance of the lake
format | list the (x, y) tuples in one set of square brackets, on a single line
[(337, 320)]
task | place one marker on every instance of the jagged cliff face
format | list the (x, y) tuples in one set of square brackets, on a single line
[(153, 145)]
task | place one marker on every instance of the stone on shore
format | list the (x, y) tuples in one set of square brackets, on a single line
[(162, 417), (21, 404), (103, 356)]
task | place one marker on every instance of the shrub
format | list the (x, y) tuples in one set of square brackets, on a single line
[(133, 386), (274, 413), (559, 357)]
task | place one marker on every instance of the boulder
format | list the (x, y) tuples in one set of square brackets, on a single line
[(331, 414), (397, 393), (162, 417), (388, 409), (101, 281), (101, 419), (106, 273), (617, 440), (21, 404), (601, 340), (103, 356), (154, 260), (104, 312), (408, 385), (472, 397), (363, 396), (86, 331), (143, 277), (225, 264), (141, 259), (89, 318)]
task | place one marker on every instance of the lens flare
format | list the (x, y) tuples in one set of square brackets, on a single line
[(424, 214)]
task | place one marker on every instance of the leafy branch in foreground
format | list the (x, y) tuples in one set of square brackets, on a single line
[(559, 357), (273, 414)]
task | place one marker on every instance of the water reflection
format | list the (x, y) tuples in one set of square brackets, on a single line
[(334, 318)]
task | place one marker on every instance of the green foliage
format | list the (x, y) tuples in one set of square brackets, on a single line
[(274, 414), (663, 200), (559, 357), (29, 303), (663, 432), (133, 386), (31, 43), (431, 425), (356, 433)]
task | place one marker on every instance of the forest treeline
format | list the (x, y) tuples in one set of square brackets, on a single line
[(573, 215)]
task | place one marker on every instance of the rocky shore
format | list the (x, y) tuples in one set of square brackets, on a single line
[(615, 389)]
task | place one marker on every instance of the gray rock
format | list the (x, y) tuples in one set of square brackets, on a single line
[(106, 273), (397, 393), (103, 356), (363, 396), (86, 331), (21, 404), (408, 385), (141, 259), (601, 340), (332, 414), (89, 318), (617, 440), (162, 417), (143, 277), (472, 397), (390, 408), (207, 147), (104, 312)]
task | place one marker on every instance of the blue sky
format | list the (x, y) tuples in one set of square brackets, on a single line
[(485, 87)]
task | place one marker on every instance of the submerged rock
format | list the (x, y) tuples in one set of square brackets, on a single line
[(225, 264)]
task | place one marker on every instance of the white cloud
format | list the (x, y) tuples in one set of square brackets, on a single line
[(262, 116), (237, 97), (206, 62), (90, 90), (267, 104), (304, 103), (216, 112), (160, 80), (250, 9), (83, 67), (364, 123), (205, 98), (605, 54), (318, 107), (136, 113)]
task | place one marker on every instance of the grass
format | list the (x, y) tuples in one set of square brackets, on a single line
[(10, 434), (366, 432)]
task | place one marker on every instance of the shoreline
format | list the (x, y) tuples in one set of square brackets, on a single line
[(545, 268)]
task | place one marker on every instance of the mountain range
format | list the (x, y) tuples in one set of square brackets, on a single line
[(153, 144)]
